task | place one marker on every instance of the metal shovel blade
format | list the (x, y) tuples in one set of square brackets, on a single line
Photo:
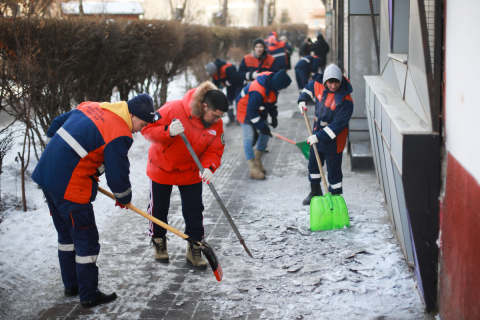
[(328, 212)]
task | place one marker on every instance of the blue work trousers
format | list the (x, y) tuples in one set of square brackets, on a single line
[(78, 245), (302, 78), (249, 137), (334, 168), (192, 208)]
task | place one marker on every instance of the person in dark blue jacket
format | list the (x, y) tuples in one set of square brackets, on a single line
[(255, 102), (333, 110), (255, 63), (224, 74), (288, 51), (304, 68), (82, 144), (277, 49)]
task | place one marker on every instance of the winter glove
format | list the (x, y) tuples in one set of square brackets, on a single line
[(118, 204), (302, 106), (254, 75), (206, 176), (176, 128), (266, 130), (274, 122), (312, 139)]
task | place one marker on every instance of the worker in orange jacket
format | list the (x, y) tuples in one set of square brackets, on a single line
[(255, 63), (198, 115), (83, 144), (255, 102)]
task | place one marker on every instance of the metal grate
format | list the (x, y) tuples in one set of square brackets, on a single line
[(430, 17), (346, 39)]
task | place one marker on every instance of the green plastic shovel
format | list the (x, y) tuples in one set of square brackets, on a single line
[(302, 145), (329, 211)]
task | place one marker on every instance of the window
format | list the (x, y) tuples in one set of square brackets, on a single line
[(399, 14)]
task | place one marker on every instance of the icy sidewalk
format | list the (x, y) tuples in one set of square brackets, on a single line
[(355, 273)]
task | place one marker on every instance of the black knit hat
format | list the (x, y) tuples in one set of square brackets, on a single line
[(257, 41), (141, 107)]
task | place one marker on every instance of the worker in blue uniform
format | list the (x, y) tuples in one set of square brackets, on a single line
[(333, 110), (304, 69)]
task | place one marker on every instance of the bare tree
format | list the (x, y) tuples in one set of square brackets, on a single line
[(178, 9), (271, 7), (7, 137), (224, 13), (80, 8), (260, 6), (24, 161)]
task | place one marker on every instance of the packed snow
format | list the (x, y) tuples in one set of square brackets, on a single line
[(354, 273)]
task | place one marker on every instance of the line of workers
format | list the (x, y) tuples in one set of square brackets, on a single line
[(269, 55)]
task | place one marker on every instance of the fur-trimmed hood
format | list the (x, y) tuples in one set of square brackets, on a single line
[(192, 101)]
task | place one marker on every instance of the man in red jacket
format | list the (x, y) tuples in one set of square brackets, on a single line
[(199, 115)]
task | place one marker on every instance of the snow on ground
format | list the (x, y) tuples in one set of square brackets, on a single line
[(355, 273)]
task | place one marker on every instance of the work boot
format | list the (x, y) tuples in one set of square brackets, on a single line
[(194, 257), (316, 191), (160, 249), (72, 292), (254, 171), (101, 298), (258, 161)]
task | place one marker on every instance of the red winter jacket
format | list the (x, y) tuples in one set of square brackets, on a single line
[(169, 161)]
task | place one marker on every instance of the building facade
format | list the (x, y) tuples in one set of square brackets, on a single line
[(415, 66)]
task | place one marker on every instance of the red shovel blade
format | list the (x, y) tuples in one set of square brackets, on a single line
[(212, 260), (218, 273)]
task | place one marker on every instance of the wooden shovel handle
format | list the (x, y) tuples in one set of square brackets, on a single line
[(316, 154), (146, 215)]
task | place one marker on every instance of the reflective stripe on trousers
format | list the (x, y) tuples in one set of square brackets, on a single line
[(66, 247), (87, 259)]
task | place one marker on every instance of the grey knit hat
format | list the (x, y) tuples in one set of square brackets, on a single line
[(211, 68), (332, 72)]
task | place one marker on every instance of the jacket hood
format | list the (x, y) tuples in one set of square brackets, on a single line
[(273, 33), (344, 89), (120, 109), (219, 63), (193, 99), (264, 80)]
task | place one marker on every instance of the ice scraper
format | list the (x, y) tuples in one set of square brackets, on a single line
[(329, 211), (204, 246)]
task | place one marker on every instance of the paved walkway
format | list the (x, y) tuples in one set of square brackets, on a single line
[(295, 274)]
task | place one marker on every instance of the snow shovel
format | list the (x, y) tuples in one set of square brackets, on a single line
[(212, 188), (204, 246), (329, 211), (302, 145)]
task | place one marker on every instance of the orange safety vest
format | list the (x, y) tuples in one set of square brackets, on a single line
[(330, 104), (251, 61)]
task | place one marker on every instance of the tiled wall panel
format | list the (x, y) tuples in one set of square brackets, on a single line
[(393, 198), (403, 215)]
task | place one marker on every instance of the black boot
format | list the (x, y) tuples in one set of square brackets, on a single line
[(71, 292), (316, 191), (101, 298)]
